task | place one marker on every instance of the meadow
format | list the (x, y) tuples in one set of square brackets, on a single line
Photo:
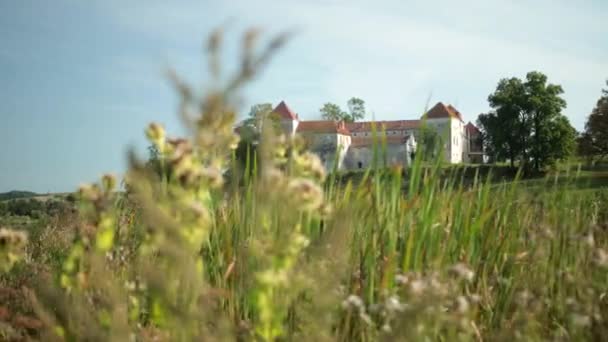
[(207, 246)]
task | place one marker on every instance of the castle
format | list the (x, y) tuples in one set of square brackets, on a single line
[(351, 144)]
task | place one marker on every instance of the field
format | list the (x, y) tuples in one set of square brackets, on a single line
[(204, 244)]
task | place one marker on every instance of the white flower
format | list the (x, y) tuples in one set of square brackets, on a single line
[(462, 271)]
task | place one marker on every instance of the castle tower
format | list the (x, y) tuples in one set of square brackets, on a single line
[(289, 119)]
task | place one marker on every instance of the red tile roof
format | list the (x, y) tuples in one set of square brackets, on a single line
[(366, 126), (322, 127), (440, 111), (285, 112), (472, 129)]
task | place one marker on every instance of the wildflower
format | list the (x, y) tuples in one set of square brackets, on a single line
[(325, 210), (12, 248), (109, 182), (352, 301), (581, 320), (601, 257), (307, 193), (179, 146), (417, 286), (89, 192), (462, 304), (213, 176), (273, 277), (190, 176), (12, 238), (365, 318), (274, 176), (182, 163), (475, 298), (310, 164), (401, 279), (393, 304), (233, 142), (589, 240), (206, 138), (524, 297), (461, 271), (156, 134)]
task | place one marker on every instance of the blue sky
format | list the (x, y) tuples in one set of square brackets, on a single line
[(79, 80)]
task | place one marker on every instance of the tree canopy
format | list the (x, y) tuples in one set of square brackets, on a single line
[(356, 111), (593, 142), (255, 119), (526, 123)]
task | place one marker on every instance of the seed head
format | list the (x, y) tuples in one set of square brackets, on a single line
[(108, 182), (417, 286), (213, 176), (461, 271), (462, 304), (89, 192), (352, 301), (601, 257), (233, 141), (581, 320), (401, 279), (12, 239), (308, 194), (156, 134), (309, 164)]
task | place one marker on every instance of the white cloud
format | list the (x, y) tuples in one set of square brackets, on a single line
[(394, 53)]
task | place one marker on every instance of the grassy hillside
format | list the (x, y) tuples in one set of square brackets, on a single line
[(16, 194)]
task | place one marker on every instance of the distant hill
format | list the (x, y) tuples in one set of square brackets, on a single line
[(16, 194)]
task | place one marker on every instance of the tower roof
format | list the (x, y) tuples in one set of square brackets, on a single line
[(285, 112), (472, 129), (440, 111)]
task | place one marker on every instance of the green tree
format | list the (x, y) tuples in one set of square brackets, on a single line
[(593, 142), (356, 109), (543, 106), (251, 129), (505, 130), (526, 123), (562, 140), (333, 112), (255, 118)]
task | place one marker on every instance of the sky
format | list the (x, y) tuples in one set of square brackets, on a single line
[(80, 80)]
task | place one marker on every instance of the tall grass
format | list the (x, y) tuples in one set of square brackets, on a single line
[(278, 250)]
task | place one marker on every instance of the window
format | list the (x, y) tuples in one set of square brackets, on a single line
[(360, 165)]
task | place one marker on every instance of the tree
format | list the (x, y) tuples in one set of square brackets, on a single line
[(356, 109), (562, 139), (544, 105), (505, 129), (594, 140), (255, 118), (526, 123), (333, 112), (251, 130)]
